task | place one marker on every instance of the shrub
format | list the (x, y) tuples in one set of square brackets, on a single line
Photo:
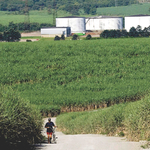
[(57, 38), (28, 40), (75, 37), (62, 37), (133, 32), (20, 124), (88, 37), (11, 35), (1, 36)]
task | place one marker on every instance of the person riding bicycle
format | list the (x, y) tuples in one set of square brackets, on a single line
[(49, 125)]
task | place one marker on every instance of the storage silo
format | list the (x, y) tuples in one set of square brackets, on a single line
[(135, 20), (104, 23), (77, 24)]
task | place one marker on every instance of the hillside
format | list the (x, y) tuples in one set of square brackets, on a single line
[(76, 75), (123, 11), (42, 16)]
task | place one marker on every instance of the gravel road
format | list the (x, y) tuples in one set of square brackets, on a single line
[(88, 142)]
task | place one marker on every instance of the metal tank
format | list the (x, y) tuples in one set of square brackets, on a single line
[(104, 23), (134, 21), (77, 24), (53, 31)]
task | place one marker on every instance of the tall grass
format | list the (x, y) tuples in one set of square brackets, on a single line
[(20, 123), (129, 119)]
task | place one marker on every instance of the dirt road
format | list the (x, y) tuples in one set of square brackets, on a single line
[(88, 142)]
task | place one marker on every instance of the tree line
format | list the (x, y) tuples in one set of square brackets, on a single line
[(11, 33), (22, 26), (71, 6), (133, 32)]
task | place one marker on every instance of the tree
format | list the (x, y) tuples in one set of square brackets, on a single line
[(62, 37), (11, 35), (57, 38), (88, 37), (133, 32), (1, 36)]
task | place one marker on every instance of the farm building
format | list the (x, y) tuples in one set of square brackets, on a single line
[(77, 24), (134, 21), (104, 23), (53, 31)]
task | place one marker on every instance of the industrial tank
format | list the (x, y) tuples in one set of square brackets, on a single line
[(53, 31), (104, 23), (134, 21), (77, 24)]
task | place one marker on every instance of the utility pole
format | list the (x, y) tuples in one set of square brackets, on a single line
[(27, 18), (54, 12), (116, 3)]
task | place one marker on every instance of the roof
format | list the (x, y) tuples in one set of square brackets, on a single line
[(140, 15), (54, 27), (71, 17), (102, 17)]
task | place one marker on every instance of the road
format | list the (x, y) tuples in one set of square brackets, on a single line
[(88, 142)]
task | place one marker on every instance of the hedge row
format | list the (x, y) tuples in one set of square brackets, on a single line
[(24, 26), (133, 32)]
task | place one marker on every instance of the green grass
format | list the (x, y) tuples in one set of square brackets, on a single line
[(129, 119), (43, 16), (77, 73), (35, 16), (123, 11)]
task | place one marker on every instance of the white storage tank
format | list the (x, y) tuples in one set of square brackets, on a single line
[(134, 21), (77, 24), (104, 23), (53, 31)]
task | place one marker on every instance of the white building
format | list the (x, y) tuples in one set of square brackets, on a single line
[(53, 31), (134, 21), (104, 23), (77, 24)]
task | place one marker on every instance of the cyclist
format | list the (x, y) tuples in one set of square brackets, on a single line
[(49, 125)]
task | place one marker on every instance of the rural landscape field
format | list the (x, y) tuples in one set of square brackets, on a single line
[(64, 76), (95, 86), (42, 16)]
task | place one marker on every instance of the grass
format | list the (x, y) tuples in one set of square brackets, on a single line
[(128, 119), (123, 11), (35, 16), (43, 16), (76, 74)]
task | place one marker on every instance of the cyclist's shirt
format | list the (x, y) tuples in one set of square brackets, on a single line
[(50, 125)]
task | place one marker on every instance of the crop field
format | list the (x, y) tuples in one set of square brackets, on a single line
[(35, 16), (123, 11), (42, 16), (52, 74)]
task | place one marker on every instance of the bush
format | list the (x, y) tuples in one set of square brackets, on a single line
[(133, 32), (20, 124), (62, 37), (1, 36), (57, 38), (88, 37), (11, 35), (75, 37), (28, 40)]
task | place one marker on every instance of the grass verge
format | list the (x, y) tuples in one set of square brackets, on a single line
[(127, 119)]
